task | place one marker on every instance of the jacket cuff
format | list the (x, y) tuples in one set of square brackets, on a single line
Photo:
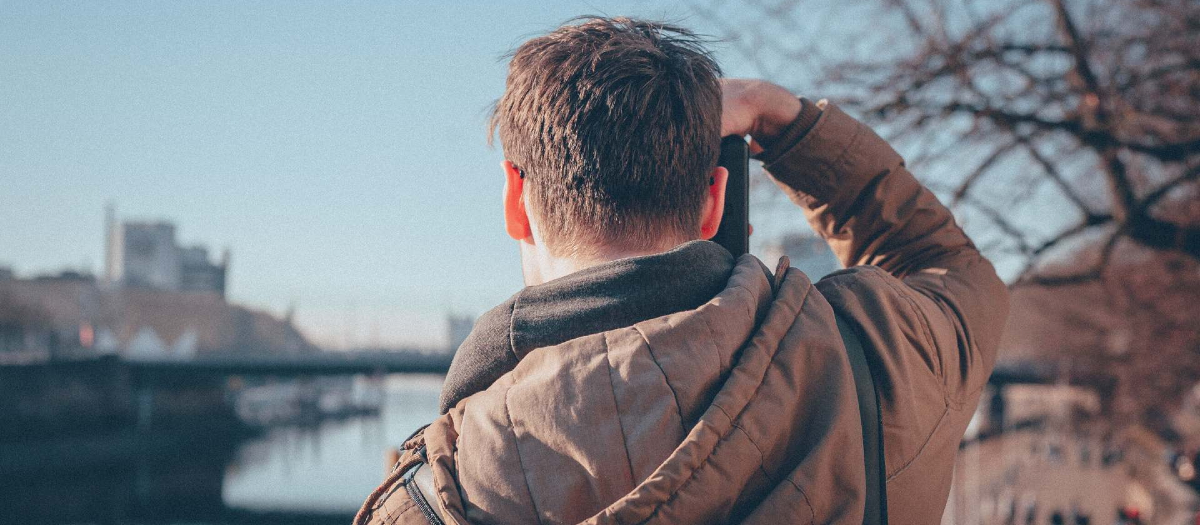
[(776, 146), (834, 161)]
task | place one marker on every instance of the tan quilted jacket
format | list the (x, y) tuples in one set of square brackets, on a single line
[(742, 410)]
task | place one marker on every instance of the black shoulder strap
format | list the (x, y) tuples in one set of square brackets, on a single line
[(872, 425), (868, 411)]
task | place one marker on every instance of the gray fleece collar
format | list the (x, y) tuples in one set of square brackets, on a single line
[(601, 298)]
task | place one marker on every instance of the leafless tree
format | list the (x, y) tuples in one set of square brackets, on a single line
[(1065, 134)]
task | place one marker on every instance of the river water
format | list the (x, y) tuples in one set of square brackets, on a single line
[(334, 466)]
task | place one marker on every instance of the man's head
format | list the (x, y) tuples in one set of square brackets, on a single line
[(611, 130)]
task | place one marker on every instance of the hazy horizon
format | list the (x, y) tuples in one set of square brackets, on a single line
[(338, 150)]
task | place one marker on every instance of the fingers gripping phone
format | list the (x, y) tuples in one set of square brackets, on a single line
[(734, 230)]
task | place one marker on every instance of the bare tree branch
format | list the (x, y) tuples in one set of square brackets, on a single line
[(1053, 173), (980, 170), (1100, 99)]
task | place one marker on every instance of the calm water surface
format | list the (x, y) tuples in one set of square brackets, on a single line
[(332, 467)]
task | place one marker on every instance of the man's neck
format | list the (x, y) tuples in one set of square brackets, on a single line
[(540, 267)]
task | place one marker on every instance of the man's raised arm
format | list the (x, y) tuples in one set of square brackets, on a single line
[(858, 195)]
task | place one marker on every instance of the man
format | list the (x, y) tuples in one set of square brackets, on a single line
[(644, 374)]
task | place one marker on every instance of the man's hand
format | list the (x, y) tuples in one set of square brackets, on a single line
[(756, 108)]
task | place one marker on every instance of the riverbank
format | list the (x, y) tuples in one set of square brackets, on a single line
[(209, 473)]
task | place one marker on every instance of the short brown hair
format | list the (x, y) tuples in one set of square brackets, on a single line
[(616, 124)]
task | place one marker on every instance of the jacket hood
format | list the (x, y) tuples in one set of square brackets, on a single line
[(601, 298), (728, 412)]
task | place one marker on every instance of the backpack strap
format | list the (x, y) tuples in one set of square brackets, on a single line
[(872, 425), (868, 411)]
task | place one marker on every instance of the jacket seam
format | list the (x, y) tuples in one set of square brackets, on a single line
[(959, 397), (517, 447), (925, 332), (394, 515), (762, 458), (712, 336), (674, 394), (620, 424), (839, 163), (924, 320), (951, 400), (961, 402), (924, 445), (827, 169)]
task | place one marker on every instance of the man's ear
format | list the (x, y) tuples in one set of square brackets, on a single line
[(516, 219), (714, 203)]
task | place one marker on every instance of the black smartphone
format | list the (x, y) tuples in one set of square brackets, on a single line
[(734, 231)]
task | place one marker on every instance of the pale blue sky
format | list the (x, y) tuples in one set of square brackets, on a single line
[(338, 148)]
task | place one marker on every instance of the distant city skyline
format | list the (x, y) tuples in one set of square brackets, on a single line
[(147, 254), (338, 150)]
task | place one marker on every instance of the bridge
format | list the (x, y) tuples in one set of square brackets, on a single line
[(374, 362), (295, 365)]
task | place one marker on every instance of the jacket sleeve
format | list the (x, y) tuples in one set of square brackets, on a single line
[(858, 195)]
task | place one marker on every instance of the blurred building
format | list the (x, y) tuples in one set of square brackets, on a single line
[(197, 274), (808, 252), (458, 327), (146, 255)]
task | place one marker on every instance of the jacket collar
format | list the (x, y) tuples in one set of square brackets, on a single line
[(601, 298)]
